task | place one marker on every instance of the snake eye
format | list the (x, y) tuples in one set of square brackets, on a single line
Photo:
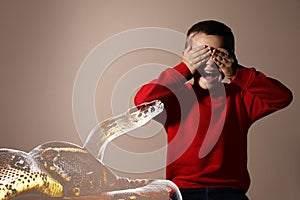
[(152, 109)]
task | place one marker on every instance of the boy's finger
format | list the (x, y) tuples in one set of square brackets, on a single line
[(224, 51)]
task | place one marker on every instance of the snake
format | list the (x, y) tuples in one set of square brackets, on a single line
[(64, 170), (113, 127)]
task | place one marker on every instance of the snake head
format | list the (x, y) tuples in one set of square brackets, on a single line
[(143, 113)]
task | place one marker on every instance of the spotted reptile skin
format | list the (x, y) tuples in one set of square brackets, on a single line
[(62, 170)]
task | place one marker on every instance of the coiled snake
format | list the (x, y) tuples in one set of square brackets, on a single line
[(62, 170)]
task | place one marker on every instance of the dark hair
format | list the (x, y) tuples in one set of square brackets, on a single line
[(211, 27)]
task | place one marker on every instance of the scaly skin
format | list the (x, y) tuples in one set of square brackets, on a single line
[(19, 173), (61, 169)]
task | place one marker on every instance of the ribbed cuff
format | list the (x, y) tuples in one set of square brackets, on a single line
[(243, 77)]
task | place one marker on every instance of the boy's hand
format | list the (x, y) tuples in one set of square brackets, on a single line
[(224, 61), (195, 57)]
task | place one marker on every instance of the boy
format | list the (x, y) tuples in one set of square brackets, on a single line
[(207, 119)]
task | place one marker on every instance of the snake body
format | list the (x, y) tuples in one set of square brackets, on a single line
[(20, 173), (62, 170)]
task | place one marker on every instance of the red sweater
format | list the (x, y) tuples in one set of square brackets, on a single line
[(207, 130)]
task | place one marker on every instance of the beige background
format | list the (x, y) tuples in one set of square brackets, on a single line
[(43, 43)]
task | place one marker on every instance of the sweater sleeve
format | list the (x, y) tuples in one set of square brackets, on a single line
[(162, 88), (170, 82), (262, 95)]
